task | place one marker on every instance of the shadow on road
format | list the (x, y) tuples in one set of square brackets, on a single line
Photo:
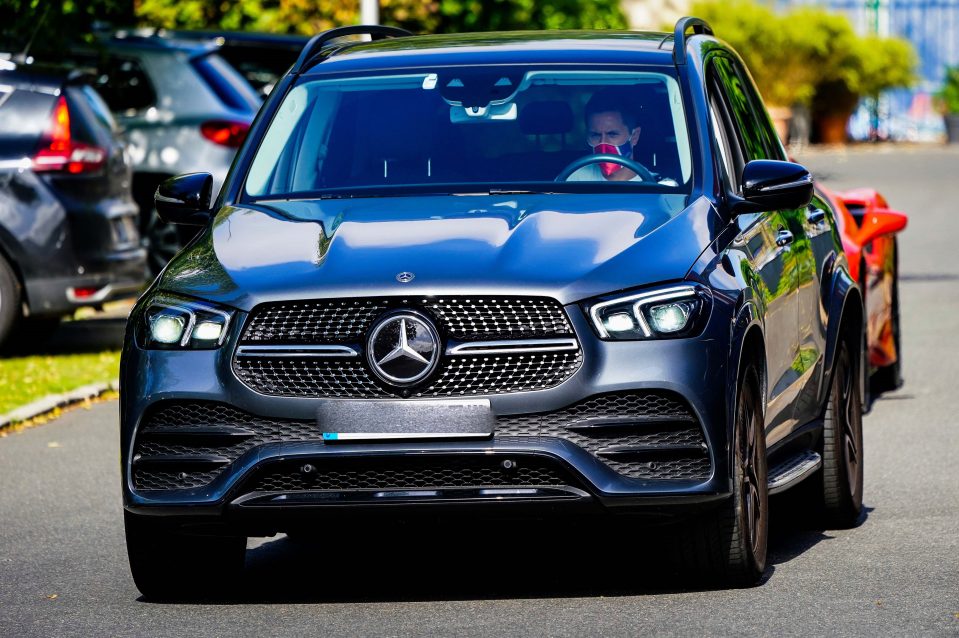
[(69, 337), (491, 560)]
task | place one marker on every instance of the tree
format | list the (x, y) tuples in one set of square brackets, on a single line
[(422, 16), (46, 22)]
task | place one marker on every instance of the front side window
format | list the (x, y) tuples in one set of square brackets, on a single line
[(469, 129)]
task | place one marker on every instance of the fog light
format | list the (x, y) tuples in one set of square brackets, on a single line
[(669, 317), (207, 331), (619, 322), (167, 328)]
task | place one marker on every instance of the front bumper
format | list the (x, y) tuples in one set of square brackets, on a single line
[(694, 369)]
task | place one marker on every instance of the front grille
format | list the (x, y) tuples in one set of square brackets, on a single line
[(408, 474), (641, 435), (346, 322), (311, 322), (460, 376)]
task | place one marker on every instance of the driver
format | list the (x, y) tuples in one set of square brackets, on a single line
[(612, 130)]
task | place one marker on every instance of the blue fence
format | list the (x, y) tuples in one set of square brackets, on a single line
[(932, 26)]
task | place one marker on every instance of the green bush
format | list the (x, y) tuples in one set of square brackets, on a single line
[(422, 16), (808, 55)]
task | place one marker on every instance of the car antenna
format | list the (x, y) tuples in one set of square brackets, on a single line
[(22, 57)]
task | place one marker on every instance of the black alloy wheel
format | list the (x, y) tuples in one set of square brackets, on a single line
[(889, 378), (842, 483), (728, 546)]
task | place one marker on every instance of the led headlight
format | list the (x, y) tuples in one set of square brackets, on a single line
[(171, 322), (676, 311)]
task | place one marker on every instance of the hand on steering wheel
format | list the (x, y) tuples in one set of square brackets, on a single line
[(644, 173)]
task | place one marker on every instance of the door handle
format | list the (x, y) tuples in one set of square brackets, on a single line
[(815, 215), (784, 237)]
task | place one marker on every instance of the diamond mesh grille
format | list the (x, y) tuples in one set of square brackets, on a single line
[(311, 322), (659, 422), (478, 319), (459, 376), (347, 320)]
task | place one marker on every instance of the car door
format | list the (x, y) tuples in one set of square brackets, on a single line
[(770, 240)]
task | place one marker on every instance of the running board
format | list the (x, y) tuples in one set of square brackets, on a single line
[(793, 470)]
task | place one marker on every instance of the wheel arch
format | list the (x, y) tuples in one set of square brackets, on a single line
[(748, 345), (846, 319)]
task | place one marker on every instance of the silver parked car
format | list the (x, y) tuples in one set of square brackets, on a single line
[(184, 109)]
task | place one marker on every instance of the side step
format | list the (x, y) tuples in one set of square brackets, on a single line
[(791, 471)]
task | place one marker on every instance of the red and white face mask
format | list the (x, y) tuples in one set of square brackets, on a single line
[(608, 168)]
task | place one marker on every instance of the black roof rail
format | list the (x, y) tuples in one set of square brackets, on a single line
[(314, 47), (699, 27)]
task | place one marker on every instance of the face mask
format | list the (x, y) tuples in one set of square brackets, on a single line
[(608, 168)]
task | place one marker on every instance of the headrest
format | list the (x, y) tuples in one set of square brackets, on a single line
[(549, 117)]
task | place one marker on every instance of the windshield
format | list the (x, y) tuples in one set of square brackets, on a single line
[(476, 129)]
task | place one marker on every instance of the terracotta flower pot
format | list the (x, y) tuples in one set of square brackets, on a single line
[(781, 116), (832, 128)]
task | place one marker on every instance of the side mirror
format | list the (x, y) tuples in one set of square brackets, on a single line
[(185, 199), (881, 222), (774, 185)]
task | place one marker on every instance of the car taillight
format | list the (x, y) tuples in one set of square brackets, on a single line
[(60, 152), (225, 133)]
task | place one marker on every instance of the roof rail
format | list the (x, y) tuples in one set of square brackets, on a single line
[(314, 47), (699, 27)]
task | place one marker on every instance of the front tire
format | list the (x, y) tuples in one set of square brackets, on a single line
[(728, 546), (169, 565)]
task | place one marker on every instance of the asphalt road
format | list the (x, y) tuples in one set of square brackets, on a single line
[(63, 566)]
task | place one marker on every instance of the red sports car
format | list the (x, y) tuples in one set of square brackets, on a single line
[(868, 229)]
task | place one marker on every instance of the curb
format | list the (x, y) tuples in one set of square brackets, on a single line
[(52, 402)]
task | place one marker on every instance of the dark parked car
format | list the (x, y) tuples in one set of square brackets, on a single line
[(68, 225), (262, 58), (562, 271), (182, 107)]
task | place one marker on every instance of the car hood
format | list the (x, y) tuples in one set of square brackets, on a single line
[(569, 247)]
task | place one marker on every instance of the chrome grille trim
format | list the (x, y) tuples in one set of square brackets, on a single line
[(297, 351), (514, 346)]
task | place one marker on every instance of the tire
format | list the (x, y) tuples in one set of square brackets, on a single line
[(840, 493), (168, 565), (728, 546), (889, 378), (162, 241), (9, 300)]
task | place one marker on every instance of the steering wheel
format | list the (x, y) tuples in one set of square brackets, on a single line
[(586, 160)]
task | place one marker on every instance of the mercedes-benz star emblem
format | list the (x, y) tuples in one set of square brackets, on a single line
[(405, 277), (403, 349)]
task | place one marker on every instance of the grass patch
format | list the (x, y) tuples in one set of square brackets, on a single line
[(26, 379)]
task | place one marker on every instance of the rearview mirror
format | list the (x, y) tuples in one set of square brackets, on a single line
[(774, 185), (185, 199), (882, 222)]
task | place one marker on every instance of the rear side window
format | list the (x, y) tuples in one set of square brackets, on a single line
[(125, 86), (98, 107), (229, 86), (24, 117)]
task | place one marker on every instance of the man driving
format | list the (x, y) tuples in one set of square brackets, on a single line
[(611, 129)]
